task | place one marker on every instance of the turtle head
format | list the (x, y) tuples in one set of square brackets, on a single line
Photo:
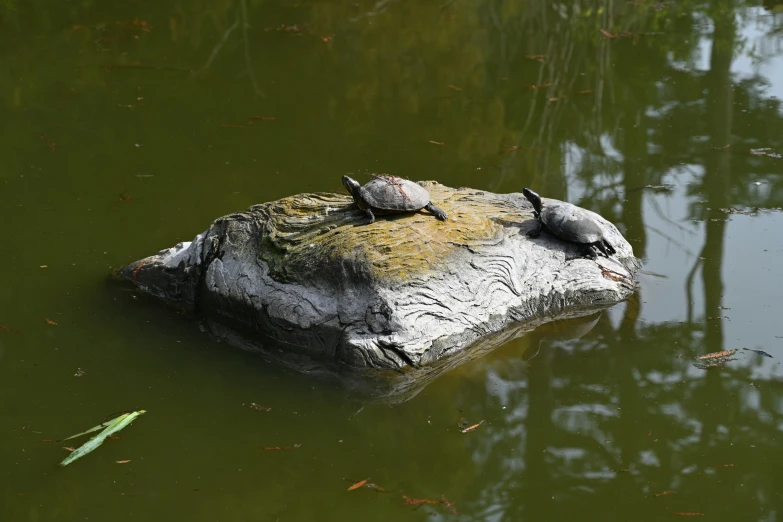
[(533, 198), (352, 186)]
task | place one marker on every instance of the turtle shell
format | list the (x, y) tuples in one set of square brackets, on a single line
[(393, 193), (571, 223)]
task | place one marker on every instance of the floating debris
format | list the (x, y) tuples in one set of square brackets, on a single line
[(358, 485), (664, 494), (50, 322), (109, 428), (765, 152), (625, 34), (255, 406), (537, 57), (280, 448), (760, 352), (657, 188), (715, 359), (4, 328), (715, 355), (540, 86), (689, 514), (713, 468), (473, 427), (79, 372), (418, 502), (732, 210)]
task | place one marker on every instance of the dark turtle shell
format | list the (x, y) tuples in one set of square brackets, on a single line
[(571, 223), (393, 193)]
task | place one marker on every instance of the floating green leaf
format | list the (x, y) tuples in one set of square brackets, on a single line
[(109, 428)]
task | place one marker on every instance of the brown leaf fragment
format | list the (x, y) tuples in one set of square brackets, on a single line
[(607, 33), (473, 427), (113, 437), (122, 461), (455, 87), (69, 449), (715, 355), (664, 494), (357, 485), (50, 322), (688, 514)]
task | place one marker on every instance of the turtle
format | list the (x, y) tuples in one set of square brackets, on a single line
[(387, 194), (571, 223)]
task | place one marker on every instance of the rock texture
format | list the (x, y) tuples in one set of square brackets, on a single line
[(404, 292)]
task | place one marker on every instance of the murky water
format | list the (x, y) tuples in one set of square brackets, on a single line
[(128, 126)]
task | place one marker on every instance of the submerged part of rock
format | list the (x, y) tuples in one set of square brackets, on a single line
[(403, 292)]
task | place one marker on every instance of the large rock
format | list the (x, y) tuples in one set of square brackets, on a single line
[(403, 292)]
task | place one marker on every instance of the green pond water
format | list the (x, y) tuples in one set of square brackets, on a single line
[(126, 127)]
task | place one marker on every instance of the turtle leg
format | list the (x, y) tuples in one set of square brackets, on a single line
[(589, 251), (600, 246), (435, 210), (536, 231), (369, 213), (609, 247)]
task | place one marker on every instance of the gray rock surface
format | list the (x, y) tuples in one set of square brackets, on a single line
[(407, 291)]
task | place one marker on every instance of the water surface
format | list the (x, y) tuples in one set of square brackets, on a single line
[(127, 127)]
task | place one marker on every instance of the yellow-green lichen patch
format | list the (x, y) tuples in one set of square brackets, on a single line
[(309, 233)]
